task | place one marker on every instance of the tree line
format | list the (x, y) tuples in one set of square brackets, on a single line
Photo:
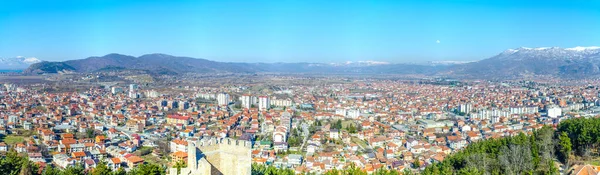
[(539, 153), (14, 164), (584, 134), (350, 170)]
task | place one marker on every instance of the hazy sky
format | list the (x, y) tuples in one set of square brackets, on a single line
[(293, 31)]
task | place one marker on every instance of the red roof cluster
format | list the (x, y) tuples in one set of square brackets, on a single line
[(179, 117)]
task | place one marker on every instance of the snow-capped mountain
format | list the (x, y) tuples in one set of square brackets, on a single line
[(360, 63), (436, 63), (550, 53), (18, 62), (524, 61)]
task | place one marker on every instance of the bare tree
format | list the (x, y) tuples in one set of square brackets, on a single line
[(480, 160), (545, 143), (515, 159)]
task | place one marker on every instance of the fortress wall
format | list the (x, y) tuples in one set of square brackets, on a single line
[(229, 156)]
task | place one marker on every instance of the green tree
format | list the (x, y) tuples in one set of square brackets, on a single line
[(120, 171), (564, 147), (270, 170), (50, 170), (148, 169), (382, 171), (407, 172), (353, 170), (145, 151), (469, 171), (416, 163), (295, 132), (74, 170), (333, 172), (351, 129), (294, 141), (180, 164), (552, 169), (90, 133), (101, 169), (28, 168), (11, 163), (312, 129), (338, 124), (258, 169)]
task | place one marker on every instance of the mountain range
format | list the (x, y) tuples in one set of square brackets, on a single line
[(523, 61), (168, 64), (574, 62)]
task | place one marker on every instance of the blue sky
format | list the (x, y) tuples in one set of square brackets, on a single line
[(293, 31)]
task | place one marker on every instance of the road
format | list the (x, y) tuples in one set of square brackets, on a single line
[(306, 133)]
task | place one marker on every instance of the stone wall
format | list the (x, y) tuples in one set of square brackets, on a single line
[(227, 156)]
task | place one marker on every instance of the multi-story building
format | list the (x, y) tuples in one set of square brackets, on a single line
[(178, 119), (247, 101), (133, 91), (263, 103), (223, 99), (554, 111), (152, 94), (133, 87), (281, 102), (116, 90), (465, 108)]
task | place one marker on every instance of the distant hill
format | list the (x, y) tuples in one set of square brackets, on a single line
[(578, 62), (48, 67), (150, 62), (174, 64)]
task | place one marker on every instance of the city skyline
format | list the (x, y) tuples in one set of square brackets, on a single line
[(307, 31)]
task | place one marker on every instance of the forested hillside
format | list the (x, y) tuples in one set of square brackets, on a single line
[(575, 141), (522, 154)]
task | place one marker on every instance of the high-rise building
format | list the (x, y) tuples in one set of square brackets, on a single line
[(223, 99), (133, 87), (116, 90), (133, 91), (465, 108), (152, 94), (247, 101), (184, 105), (263, 103), (554, 111)]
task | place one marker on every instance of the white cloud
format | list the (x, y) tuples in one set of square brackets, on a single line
[(438, 41), (31, 60)]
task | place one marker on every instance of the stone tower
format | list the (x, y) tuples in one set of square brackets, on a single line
[(217, 156), (192, 161)]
